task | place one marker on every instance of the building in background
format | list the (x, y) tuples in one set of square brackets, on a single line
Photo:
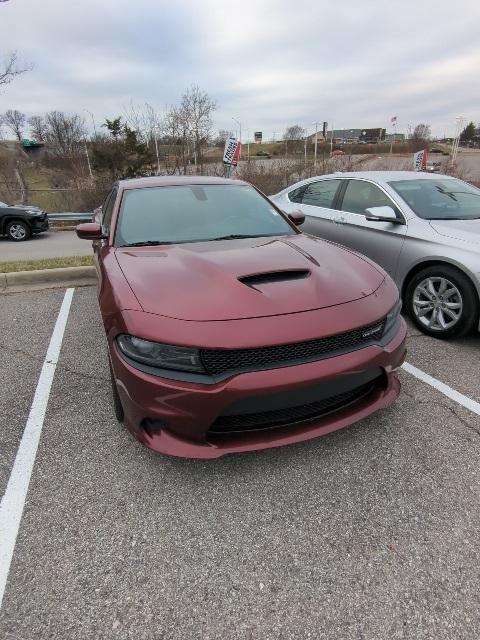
[(342, 136)]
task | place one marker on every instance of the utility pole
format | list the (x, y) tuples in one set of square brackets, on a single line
[(156, 151), (315, 149)]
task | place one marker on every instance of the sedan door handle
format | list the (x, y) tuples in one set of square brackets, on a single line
[(338, 220)]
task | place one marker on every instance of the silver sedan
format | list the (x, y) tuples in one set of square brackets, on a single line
[(423, 229)]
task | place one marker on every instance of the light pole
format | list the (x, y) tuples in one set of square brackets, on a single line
[(305, 132), (240, 136), (88, 160), (248, 144), (93, 121), (315, 149), (156, 150)]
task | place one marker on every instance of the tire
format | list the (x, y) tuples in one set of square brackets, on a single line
[(18, 231), (442, 302), (117, 404)]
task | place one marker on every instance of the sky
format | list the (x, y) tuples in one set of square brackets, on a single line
[(267, 63)]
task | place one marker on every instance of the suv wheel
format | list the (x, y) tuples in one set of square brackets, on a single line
[(442, 302), (18, 231)]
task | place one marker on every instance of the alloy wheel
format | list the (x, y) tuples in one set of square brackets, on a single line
[(437, 303), (17, 231)]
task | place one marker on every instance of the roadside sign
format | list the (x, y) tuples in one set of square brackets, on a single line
[(420, 160), (231, 152), (257, 136)]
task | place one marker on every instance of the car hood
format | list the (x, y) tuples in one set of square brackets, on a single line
[(248, 278), (466, 230), (25, 207)]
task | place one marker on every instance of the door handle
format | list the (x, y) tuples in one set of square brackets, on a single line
[(338, 220)]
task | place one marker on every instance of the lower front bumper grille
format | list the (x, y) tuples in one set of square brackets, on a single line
[(227, 424)]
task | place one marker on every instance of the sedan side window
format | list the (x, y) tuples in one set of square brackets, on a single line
[(360, 195), (107, 212), (321, 193), (297, 194)]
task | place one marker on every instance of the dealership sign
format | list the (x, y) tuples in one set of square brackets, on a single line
[(258, 136), (232, 152), (420, 160)]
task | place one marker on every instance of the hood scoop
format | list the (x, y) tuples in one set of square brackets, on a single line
[(270, 277)]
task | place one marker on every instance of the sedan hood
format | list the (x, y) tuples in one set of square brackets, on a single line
[(255, 277), (466, 230)]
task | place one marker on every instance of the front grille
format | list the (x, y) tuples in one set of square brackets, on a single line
[(291, 415), (219, 361)]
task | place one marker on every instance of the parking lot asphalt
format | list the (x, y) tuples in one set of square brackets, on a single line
[(370, 533), (52, 244)]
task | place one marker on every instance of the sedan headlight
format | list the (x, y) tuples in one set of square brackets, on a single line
[(392, 317), (163, 356)]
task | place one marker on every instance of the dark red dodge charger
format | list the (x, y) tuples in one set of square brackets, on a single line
[(228, 329)]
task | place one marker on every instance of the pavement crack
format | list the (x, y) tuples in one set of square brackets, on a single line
[(452, 410), (61, 367)]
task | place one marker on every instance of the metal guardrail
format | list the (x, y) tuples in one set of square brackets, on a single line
[(65, 217)]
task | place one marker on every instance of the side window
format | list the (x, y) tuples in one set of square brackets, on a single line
[(297, 194), (359, 195), (321, 193), (107, 211)]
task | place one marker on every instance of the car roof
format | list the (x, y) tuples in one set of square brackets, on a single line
[(383, 176), (175, 181)]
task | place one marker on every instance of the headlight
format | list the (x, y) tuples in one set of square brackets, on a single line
[(164, 356), (393, 316)]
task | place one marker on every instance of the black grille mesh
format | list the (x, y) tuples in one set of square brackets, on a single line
[(219, 361), (289, 416)]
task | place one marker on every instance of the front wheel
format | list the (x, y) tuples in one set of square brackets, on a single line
[(18, 231), (442, 302)]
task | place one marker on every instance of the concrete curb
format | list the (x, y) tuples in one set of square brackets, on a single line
[(47, 279)]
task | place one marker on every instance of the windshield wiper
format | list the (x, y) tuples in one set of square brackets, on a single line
[(239, 236), (147, 243)]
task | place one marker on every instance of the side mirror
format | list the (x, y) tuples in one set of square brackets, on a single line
[(381, 214), (97, 215), (89, 231), (297, 217)]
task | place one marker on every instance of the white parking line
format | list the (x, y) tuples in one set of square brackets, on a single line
[(13, 501), (465, 401)]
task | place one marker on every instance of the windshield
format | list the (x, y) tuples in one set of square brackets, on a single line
[(193, 213), (443, 199), (3, 204)]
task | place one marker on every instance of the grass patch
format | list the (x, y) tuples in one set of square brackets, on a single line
[(46, 263)]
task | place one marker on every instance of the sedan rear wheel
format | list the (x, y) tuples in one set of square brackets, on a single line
[(442, 302)]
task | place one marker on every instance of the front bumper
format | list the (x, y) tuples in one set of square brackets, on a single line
[(39, 225), (176, 418)]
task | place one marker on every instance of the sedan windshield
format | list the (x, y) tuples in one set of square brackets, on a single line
[(443, 199), (195, 213)]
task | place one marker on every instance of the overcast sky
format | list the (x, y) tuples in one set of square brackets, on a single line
[(268, 63)]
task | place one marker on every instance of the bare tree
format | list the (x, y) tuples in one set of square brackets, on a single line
[(11, 68), (421, 132), (222, 137), (64, 134), (197, 108), (294, 132), (15, 121), (175, 130), (38, 127)]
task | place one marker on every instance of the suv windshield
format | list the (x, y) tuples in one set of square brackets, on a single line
[(194, 213), (443, 199)]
